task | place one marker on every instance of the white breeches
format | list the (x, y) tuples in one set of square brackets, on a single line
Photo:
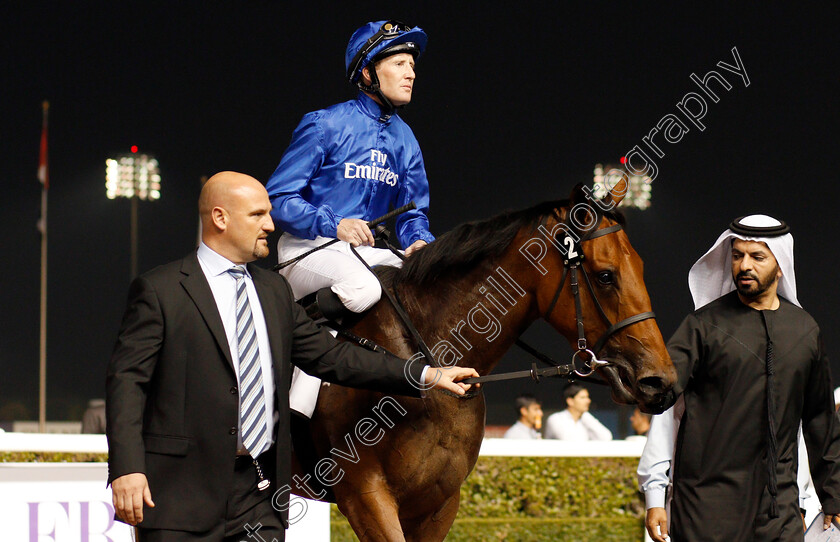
[(335, 267)]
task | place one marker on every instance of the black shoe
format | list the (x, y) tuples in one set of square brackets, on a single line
[(324, 304)]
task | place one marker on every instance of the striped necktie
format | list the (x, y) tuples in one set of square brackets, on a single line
[(252, 417)]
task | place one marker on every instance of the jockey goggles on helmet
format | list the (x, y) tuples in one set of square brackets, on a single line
[(379, 39)]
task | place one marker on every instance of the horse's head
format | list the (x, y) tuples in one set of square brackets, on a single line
[(613, 300)]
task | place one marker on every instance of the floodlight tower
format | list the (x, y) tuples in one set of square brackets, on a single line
[(133, 176)]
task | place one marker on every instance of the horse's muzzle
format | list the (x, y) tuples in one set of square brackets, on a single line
[(655, 395)]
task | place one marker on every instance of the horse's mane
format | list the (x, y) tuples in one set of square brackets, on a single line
[(471, 242)]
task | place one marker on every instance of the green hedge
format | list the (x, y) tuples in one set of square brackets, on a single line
[(51, 457), (543, 498), (524, 530)]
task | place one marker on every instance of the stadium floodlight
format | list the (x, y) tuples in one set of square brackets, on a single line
[(132, 175), (136, 177), (606, 177)]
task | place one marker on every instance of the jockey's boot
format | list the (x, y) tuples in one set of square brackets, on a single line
[(326, 305)]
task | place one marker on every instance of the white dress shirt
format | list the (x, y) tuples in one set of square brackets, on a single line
[(561, 425), (223, 286), (521, 431), (654, 470)]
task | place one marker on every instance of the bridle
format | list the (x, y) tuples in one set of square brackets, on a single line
[(585, 360)]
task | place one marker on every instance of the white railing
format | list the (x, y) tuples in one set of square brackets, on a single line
[(50, 442)]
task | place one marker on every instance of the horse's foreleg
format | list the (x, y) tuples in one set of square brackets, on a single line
[(373, 515), (436, 526)]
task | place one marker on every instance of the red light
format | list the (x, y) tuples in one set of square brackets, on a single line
[(134, 150), (623, 159)]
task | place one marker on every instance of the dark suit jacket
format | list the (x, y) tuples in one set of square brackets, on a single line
[(172, 398)]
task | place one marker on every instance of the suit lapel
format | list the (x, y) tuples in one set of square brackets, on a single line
[(195, 283)]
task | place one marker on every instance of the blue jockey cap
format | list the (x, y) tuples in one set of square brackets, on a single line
[(379, 39)]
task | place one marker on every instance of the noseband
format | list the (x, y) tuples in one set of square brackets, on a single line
[(585, 360)]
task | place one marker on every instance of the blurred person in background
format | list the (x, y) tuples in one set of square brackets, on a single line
[(93, 420), (530, 418), (641, 425), (575, 422), (640, 422)]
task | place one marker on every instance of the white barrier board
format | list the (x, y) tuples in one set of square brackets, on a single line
[(61, 502), (68, 502)]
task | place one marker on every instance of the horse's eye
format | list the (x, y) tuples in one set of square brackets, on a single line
[(606, 277)]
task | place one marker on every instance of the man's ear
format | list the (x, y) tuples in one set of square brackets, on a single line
[(219, 217), (365, 75)]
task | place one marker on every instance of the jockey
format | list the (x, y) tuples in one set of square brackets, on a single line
[(345, 166), (349, 164)]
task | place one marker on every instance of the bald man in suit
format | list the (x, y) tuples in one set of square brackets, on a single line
[(179, 465)]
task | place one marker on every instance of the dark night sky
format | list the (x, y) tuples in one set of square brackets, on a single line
[(512, 106)]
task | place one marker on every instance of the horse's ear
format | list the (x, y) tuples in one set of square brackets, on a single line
[(619, 189), (577, 195)]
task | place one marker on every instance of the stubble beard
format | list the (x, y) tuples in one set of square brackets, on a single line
[(260, 251), (757, 288)]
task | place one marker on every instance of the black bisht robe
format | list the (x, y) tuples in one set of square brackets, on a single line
[(720, 465)]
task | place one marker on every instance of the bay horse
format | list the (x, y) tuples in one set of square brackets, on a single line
[(396, 464)]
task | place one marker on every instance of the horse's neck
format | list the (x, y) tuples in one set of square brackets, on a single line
[(475, 319)]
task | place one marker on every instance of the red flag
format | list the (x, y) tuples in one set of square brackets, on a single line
[(43, 172)]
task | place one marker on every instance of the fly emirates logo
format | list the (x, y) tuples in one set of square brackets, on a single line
[(375, 172)]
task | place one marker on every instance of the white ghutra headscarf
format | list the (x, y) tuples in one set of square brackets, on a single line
[(711, 276)]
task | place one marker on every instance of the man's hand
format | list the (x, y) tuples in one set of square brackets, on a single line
[(130, 491), (827, 522), (656, 521), (415, 246), (446, 378), (355, 231)]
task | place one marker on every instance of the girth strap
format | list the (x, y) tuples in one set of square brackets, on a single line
[(361, 341)]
